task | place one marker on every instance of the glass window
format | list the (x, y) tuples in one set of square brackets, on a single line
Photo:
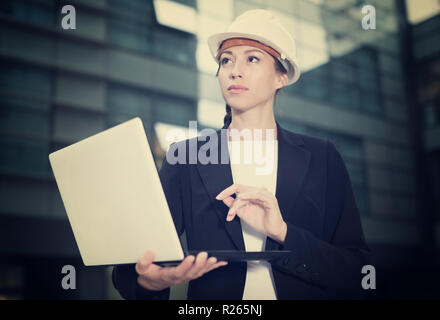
[(174, 110), (23, 79), (371, 102), (38, 12), (323, 71), (297, 88), (26, 102), (392, 87), (340, 45), (128, 101), (70, 126), (366, 58), (314, 87), (23, 155), (175, 46), (24, 122), (114, 119), (403, 181), (368, 79), (431, 114), (139, 11), (350, 147), (343, 95), (343, 71), (130, 35), (294, 127), (390, 64)]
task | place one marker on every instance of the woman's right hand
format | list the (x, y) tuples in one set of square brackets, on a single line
[(156, 278)]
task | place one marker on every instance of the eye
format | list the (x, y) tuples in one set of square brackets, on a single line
[(253, 57), (224, 60)]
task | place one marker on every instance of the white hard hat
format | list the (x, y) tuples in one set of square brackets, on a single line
[(262, 26)]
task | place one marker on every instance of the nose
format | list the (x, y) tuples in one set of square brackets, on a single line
[(236, 71)]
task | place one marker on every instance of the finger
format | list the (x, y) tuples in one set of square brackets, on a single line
[(234, 188), (238, 204), (208, 264), (253, 195), (233, 211), (144, 262), (199, 264), (217, 265), (228, 201), (180, 271), (258, 197)]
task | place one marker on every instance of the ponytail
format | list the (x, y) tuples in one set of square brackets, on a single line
[(228, 117)]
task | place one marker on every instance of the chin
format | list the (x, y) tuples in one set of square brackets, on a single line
[(239, 107)]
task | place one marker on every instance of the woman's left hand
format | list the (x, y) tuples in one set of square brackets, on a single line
[(258, 207)]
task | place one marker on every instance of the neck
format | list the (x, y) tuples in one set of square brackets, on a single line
[(259, 122)]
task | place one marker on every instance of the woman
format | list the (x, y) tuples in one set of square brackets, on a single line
[(304, 203)]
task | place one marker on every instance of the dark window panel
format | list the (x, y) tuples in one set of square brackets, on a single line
[(24, 79), (189, 3), (175, 46), (24, 122), (23, 155), (174, 111), (30, 11), (139, 11), (343, 95), (371, 102), (128, 101), (130, 35), (342, 71)]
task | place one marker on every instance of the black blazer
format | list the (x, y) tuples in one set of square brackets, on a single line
[(316, 200)]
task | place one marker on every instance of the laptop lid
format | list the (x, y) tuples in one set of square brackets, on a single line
[(114, 199)]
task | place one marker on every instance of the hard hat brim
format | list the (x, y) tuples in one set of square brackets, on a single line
[(293, 71)]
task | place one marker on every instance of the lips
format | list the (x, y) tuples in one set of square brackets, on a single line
[(237, 88)]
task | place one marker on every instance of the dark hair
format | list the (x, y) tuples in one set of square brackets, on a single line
[(228, 117)]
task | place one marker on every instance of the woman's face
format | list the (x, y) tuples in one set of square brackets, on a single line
[(253, 69)]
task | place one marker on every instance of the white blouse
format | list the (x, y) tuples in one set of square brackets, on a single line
[(255, 163)]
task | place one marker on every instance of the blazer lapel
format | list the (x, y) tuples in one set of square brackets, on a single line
[(216, 178), (293, 163)]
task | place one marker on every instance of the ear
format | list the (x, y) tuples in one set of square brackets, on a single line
[(281, 80)]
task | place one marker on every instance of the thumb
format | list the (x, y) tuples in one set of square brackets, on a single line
[(145, 261)]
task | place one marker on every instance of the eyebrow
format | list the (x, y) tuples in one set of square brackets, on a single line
[(247, 51)]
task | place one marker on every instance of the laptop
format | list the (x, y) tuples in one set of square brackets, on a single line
[(113, 197)]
